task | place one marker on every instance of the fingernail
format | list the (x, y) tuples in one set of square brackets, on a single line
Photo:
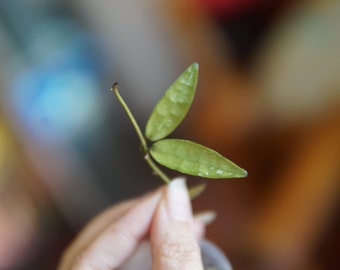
[(206, 217), (178, 201)]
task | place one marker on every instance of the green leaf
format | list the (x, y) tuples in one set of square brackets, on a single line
[(197, 190), (194, 159), (173, 106)]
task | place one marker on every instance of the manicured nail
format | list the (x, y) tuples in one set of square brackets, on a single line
[(178, 202), (206, 217)]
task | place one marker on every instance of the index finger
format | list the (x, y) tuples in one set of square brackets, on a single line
[(116, 242)]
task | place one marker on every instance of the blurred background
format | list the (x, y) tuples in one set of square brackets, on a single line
[(268, 98)]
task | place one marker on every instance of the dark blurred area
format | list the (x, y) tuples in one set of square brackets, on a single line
[(268, 98)]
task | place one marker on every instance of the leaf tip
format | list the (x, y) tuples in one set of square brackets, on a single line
[(197, 190), (243, 173), (195, 66)]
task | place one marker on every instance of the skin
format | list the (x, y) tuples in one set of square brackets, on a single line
[(163, 216)]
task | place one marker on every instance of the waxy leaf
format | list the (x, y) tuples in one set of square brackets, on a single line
[(194, 159), (173, 106)]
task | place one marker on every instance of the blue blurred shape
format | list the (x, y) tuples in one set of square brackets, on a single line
[(55, 92)]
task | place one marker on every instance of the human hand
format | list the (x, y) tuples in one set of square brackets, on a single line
[(165, 216)]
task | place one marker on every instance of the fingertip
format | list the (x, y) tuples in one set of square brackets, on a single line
[(173, 239), (177, 201)]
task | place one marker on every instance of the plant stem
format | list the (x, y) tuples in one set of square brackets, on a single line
[(114, 88), (141, 137), (156, 169)]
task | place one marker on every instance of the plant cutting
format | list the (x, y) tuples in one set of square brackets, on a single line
[(181, 155), (178, 154)]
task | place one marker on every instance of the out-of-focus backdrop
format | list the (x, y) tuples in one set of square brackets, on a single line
[(268, 98)]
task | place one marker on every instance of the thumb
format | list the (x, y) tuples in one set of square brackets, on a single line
[(173, 241)]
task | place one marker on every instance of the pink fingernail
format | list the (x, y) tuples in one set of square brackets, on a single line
[(178, 201)]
